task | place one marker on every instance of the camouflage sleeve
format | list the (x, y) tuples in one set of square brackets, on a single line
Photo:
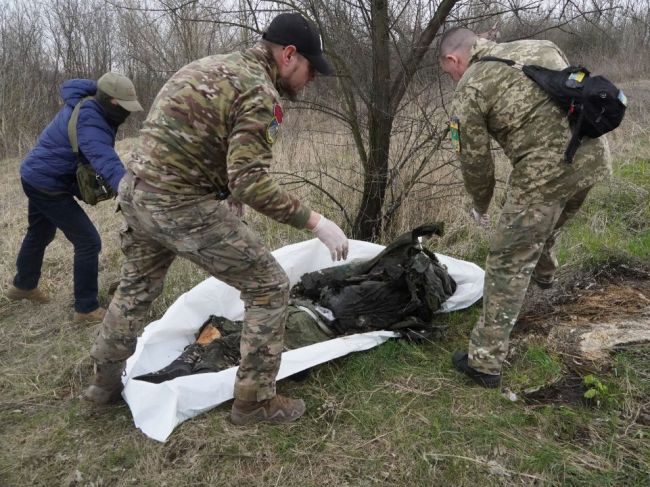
[(471, 140), (249, 156), (560, 53)]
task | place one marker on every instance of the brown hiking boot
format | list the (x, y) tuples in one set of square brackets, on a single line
[(90, 317), (279, 409), (106, 387), (35, 295)]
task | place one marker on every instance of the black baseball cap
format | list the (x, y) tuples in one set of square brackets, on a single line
[(293, 29)]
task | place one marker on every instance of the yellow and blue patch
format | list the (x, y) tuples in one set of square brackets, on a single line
[(454, 132), (273, 128)]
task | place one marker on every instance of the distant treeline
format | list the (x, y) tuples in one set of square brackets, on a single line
[(43, 42)]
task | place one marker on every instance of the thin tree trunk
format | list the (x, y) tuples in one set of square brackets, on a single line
[(367, 225), (384, 100)]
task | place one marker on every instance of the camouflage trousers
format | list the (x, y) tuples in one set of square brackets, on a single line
[(157, 228), (521, 246)]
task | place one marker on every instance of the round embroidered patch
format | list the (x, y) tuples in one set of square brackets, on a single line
[(273, 128)]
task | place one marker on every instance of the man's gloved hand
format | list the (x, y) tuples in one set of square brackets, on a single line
[(482, 220), (333, 237)]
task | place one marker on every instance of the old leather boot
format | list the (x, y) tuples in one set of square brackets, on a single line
[(279, 409), (35, 295), (90, 317), (106, 387)]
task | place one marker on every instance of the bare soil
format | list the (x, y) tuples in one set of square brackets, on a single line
[(611, 292), (568, 390), (612, 295)]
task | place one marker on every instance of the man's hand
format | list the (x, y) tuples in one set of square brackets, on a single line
[(482, 220), (235, 207), (332, 236)]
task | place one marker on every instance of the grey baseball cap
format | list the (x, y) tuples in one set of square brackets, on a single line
[(121, 88)]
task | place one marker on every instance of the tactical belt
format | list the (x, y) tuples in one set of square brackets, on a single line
[(142, 185)]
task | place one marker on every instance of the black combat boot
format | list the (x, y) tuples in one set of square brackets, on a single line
[(460, 361), (106, 387), (543, 282)]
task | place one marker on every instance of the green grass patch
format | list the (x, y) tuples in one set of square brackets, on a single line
[(614, 223), (535, 367)]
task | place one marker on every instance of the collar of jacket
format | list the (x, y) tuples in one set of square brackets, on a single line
[(480, 48), (264, 55)]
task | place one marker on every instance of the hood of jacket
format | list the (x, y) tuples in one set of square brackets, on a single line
[(73, 90)]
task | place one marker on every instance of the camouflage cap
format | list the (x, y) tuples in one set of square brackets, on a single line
[(120, 88)]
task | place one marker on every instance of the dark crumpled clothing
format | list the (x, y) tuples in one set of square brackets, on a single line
[(405, 282), (399, 289), (300, 330)]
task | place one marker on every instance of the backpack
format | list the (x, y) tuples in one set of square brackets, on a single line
[(93, 188), (593, 104)]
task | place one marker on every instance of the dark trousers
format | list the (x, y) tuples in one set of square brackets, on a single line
[(46, 213)]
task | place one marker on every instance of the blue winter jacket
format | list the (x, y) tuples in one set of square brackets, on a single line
[(51, 165)]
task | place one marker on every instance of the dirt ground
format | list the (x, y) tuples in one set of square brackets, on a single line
[(615, 297), (613, 291)]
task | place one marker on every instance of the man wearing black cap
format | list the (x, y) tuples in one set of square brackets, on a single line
[(203, 152), (292, 33)]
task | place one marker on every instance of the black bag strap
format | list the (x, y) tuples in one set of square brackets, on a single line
[(509, 62), (575, 140)]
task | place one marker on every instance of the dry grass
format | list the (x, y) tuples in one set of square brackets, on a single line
[(397, 415)]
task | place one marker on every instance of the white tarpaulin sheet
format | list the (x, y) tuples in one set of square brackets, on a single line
[(158, 408)]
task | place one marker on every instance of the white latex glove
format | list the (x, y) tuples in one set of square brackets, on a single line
[(482, 220), (333, 237), (235, 207)]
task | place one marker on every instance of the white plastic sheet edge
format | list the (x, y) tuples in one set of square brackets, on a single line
[(158, 408)]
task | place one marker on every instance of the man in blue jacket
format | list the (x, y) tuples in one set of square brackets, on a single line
[(48, 176)]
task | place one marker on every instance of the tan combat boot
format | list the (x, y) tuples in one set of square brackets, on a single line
[(35, 295), (279, 409), (106, 387), (90, 317)]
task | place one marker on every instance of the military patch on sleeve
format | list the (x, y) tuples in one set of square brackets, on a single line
[(454, 132), (273, 128)]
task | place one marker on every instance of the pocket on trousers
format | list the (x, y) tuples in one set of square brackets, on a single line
[(191, 227), (524, 226)]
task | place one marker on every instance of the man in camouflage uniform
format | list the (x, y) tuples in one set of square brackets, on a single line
[(495, 100), (208, 137)]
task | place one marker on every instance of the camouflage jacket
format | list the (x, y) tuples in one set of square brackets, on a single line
[(495, 100), (212, 127)]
